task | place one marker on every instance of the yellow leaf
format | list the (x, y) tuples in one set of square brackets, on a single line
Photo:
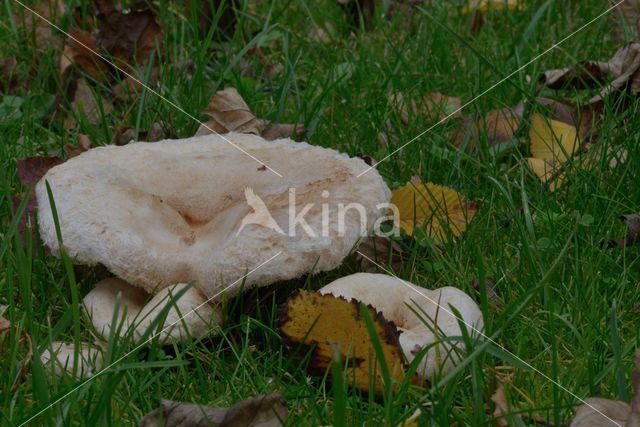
[(551, 139), (333, 324), (485, 5), (441, 209), (552, 143)]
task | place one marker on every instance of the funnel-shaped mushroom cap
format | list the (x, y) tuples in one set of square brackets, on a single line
[(202, 209), (423, 316)]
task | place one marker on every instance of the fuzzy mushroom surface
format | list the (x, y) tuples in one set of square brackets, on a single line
[(201, 209), (424, 317)]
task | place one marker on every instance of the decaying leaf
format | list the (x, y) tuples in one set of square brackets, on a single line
[(622, 68), (229, 113), (282, 130), (626, 20), (379, 250), (266, 410), (599, 412), (128, 38), (86, 103), (359, 11), (23, 350), (434, 106), (499, 126), (79, 49), (632, 221), (440, 209), (552, 143), (486, 5), (328, 325), (44, 35), (30, 171)]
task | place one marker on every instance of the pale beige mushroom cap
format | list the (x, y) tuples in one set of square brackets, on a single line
[(395, 299), (171, 212)]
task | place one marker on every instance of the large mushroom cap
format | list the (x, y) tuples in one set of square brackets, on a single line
[(172, 211), (424, 317)]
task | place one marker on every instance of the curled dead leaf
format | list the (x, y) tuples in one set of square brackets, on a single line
[(267, 410), (86, 103), (599, 412), (229, 113), (499, 126)]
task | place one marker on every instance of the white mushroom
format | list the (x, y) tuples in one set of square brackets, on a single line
[(424, 317), (201, 209), (187, 308), (60, 358)]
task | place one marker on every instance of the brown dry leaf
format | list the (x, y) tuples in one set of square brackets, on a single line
[(86, 103), (552, 144), (330, 324), (45, 36), (623, 68), (434, 106), (84, 144), (130, 37), (359, 10), (79, 49), (273, 131), (440, 209), (491, 288), (501, 406), (156, 133), (129, 88), (30, 171), (626, 20), (383, 252), (225, 23), (632, 221), (268, 410), (229, 113), (499, 125), (620, 412)]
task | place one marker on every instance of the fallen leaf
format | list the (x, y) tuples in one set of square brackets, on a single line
[(327, 324), (225, 24), (491, 288), (156, 133), (273, 131), (79, 49), (129, 88), (583, 118), (83, 144), (501, 406), (626, 20), (599, 412), (440, 209), (260, 411), (85, 103), (434, 106), (44, 35), (486, 5), (23, 350), (379, 250), (359, 11), (130, 36), (229, 113), (623, 68), (499, 126), (632, 237), (552, 144)]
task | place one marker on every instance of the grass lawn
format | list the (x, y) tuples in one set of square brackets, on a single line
[(566, 306)]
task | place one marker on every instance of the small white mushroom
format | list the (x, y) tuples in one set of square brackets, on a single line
[(188, 315), (424, 317), (203, 209), (60, 358)]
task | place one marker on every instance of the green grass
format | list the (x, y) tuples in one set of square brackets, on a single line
[(568, 307)]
